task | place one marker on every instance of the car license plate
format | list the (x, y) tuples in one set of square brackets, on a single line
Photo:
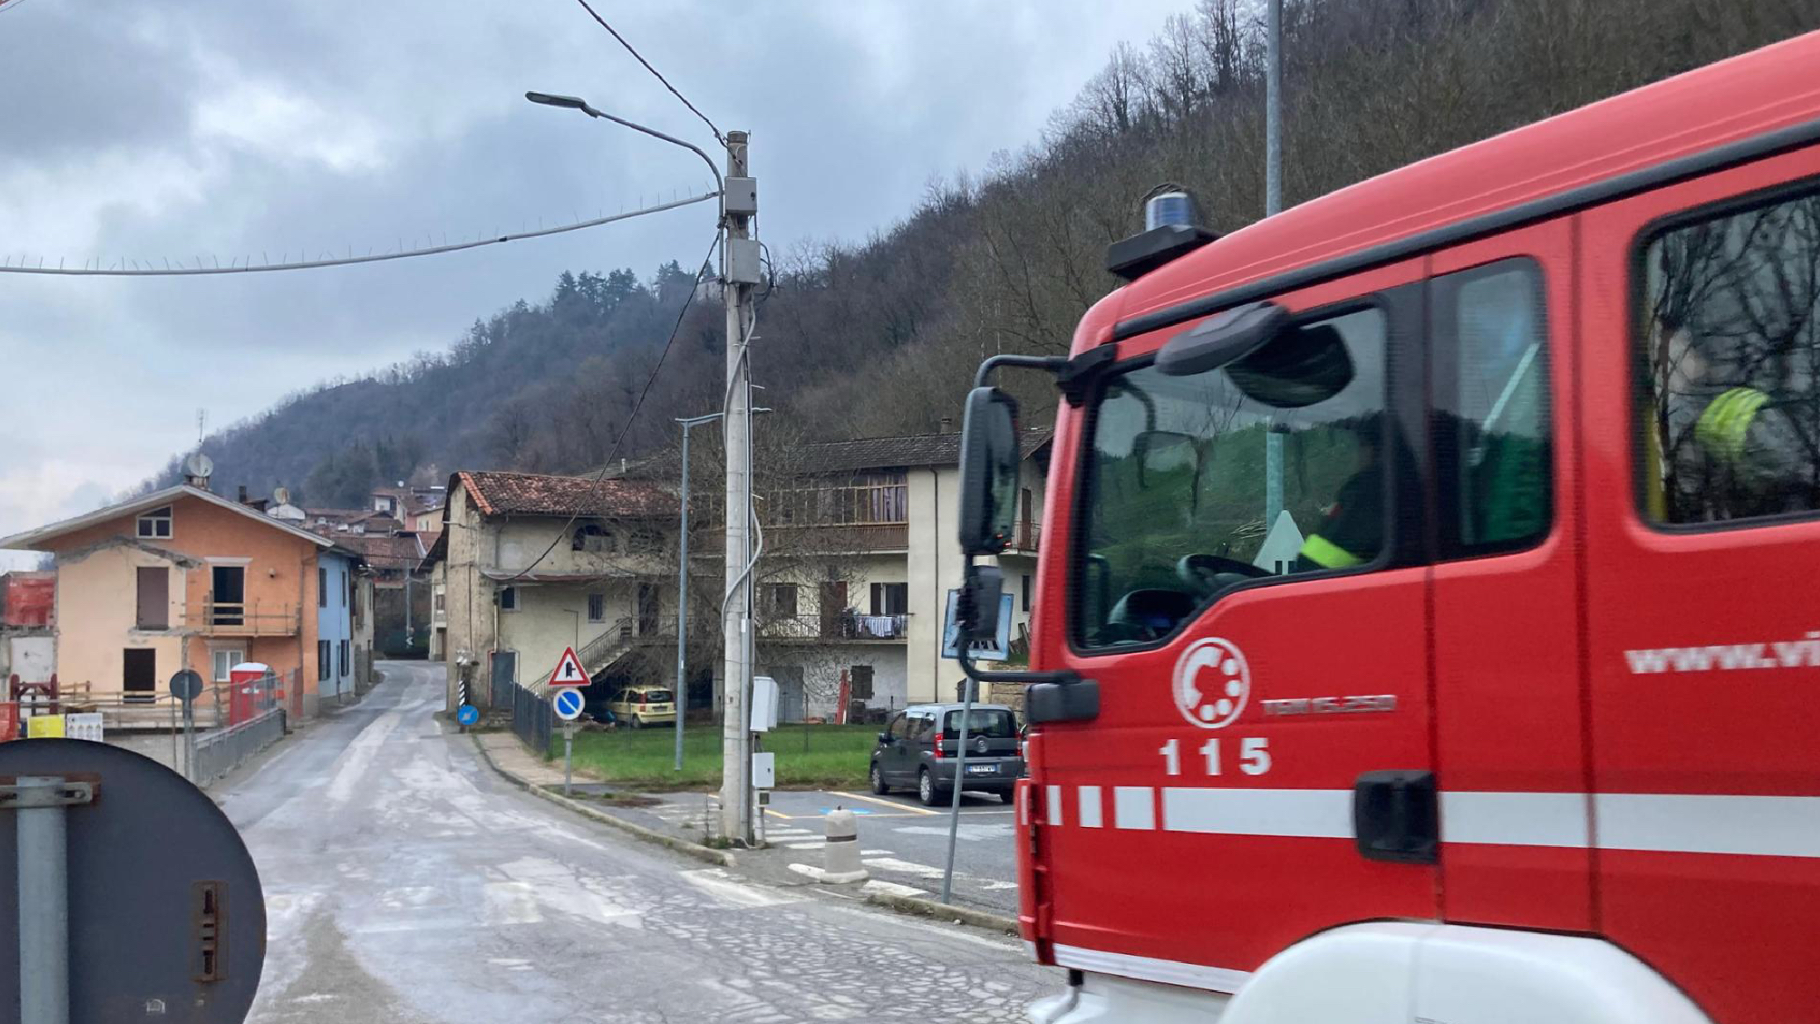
[(981, 769)]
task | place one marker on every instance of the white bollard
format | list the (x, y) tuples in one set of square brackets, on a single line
[(840, 853)]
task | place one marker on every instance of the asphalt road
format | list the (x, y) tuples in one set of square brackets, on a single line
[(405, 882)]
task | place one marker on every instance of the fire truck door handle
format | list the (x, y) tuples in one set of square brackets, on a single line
[(1395, 816)]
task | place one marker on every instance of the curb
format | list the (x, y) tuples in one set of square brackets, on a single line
[(919, 907), (682, 846)]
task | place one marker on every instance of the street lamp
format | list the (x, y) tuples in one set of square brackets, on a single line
[(577, 103), (682, 580)]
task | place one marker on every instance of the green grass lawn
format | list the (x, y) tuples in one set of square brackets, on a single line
[(812, 756)]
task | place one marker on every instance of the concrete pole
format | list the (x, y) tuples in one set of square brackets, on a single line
[(1273, 204), (736, 621), (1273, 110)]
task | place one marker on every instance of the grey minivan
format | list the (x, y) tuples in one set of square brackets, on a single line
[(920, 746)]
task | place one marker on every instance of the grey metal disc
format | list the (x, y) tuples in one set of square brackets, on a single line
[(136, 858), (186, 685)]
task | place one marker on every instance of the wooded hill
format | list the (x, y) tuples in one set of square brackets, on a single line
[(881, 337)]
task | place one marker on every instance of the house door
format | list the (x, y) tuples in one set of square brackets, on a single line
[(791, 700), (833, 603), (139, 675), (153, 598), (647, 608), (229, 589)]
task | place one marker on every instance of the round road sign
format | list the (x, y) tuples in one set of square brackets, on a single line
[(166, 915), (467, 714), (185, 685), (568, 704)]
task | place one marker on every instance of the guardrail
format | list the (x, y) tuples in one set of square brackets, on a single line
[(221, 750)]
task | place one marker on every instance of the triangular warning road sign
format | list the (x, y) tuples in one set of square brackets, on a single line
[(568, 670)]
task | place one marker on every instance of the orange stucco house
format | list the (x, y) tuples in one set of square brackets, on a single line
[(184, 578)]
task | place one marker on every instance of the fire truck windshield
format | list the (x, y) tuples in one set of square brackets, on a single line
[(1195, 484)]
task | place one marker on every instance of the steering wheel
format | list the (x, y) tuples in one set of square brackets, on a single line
[(1211, 573)]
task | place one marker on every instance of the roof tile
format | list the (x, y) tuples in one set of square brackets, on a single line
[(537, 494)]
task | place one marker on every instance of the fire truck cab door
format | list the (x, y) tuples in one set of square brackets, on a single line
[(1253, 603)]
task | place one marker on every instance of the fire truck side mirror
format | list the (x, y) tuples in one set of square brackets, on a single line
[(977, 609), (989, 465)]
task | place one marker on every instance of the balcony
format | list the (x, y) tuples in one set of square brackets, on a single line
[(1026, 535), (241, 618), (848, 626)]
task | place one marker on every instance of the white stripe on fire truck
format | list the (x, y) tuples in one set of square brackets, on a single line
[(1766, 826), (1052, 798), (1775, 826), (1134, 807), (1515, 819), (1090, 807), (1145, 968), (1304, 813)]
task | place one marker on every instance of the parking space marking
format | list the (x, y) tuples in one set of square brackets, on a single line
[(887, 803)]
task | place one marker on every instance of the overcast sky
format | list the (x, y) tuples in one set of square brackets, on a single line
[(199, 128)]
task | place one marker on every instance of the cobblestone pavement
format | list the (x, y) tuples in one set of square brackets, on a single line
[(406, 882)]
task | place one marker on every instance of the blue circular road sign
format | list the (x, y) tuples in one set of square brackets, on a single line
[(467, 714), (568, 704)]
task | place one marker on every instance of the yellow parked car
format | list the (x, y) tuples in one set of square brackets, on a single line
[(639, 706)]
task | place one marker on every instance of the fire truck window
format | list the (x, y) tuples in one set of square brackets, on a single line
[(1195, 484), (1492, 404), (1729, 416)]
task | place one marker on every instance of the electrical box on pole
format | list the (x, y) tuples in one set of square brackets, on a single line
[(741, 196), (743, 263)]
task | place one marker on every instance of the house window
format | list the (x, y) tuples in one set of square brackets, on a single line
[(1027, 589), (592, 537), (155, 524), (777, 599), (861, 676), (508, 599), (322, 661), (597, 607), (322, 588), (344, 658), (890, 598), (440, 601), (225, 658), (152, 604)]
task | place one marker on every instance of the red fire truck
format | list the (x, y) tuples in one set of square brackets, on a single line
[(1426, 628)]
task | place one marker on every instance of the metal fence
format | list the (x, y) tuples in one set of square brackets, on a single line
[(532, 718), (220, 751)]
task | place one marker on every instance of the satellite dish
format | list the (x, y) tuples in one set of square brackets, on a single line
[(281, 495), (198, 466)]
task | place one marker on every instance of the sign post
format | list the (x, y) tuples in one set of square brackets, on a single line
[(185, 685), (567, 704)]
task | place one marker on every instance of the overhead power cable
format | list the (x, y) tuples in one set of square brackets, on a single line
[(718, 137), (122, 269), (607, 461)]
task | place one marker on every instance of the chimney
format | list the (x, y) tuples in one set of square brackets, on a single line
[(947, 424)]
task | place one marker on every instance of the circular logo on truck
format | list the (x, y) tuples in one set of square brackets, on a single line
[(1212, 683)]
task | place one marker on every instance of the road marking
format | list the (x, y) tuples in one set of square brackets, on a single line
[(716, 882), (884, 888), (888, 803)]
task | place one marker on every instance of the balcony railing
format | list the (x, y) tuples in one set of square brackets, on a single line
[(1026, 535), (243, 618), (846, 626)]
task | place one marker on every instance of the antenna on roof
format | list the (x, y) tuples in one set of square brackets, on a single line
[(202, 424)]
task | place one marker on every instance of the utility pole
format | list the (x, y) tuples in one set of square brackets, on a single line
[(736, 606), (1273, 204)]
